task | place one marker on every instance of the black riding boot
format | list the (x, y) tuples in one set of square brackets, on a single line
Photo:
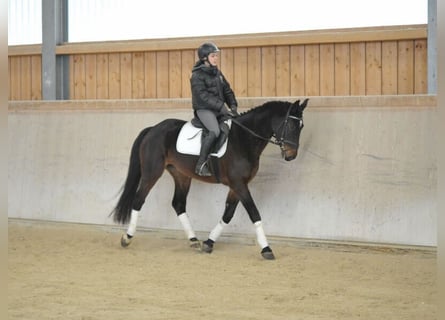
[(202, 168)]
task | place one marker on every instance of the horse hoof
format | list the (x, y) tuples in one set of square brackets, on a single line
[(267, 254), (207, 247), (125, 241), (195, 244)]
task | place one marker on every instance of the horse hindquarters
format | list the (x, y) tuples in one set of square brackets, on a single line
[(152, 166), (124, 206), (150, 161)]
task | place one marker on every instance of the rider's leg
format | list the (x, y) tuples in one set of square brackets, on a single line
[(209, 120)]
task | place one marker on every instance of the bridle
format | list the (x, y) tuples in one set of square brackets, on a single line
[(279, 141)]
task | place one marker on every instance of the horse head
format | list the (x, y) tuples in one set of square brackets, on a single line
[(288, 132)]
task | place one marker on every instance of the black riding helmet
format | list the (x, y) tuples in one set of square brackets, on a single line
[(205, 49)]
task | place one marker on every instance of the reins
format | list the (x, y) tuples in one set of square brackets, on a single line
[(254, 133), (278, 142)]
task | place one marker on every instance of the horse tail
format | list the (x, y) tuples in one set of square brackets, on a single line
[(122, 212)]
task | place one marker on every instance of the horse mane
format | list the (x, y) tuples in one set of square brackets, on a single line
[(277, 105)]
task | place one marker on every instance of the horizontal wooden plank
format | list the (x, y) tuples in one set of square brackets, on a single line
[(252, 40), (25, 50)]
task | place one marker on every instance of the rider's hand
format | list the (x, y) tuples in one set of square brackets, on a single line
[(234, 112)]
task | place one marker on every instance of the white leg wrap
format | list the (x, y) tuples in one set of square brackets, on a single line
[(260, 235), (216, 232), (183, 217), (133, 222)]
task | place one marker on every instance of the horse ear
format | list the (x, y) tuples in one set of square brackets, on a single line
[(304, 104)]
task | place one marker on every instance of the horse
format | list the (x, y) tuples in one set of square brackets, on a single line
[(154, 150)]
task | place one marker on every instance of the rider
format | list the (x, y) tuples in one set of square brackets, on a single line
[(210, 92)]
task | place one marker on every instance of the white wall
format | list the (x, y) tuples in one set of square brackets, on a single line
[(362, 174)]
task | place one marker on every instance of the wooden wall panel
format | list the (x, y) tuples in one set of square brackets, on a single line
[(342, 69), (327, 69), (102, 82), (174, 77), (138, 76), (114, 76), (79, 77), (268, 71), (388, 61), (389, 67), (150, 75), (162, 75), (254, 72), (358, 68), (406, 67), (373, 68), (14, 82), (226, 65), (188, 60), (297, 70), (36, 77), (312, 69), (71, 76), (420, 67), (240, 77), (126, 65), (25, 78), (282, 71), (90, 76)]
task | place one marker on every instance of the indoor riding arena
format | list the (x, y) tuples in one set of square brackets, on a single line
[(352, 220)]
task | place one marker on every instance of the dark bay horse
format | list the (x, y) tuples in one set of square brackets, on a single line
[(278, 122)]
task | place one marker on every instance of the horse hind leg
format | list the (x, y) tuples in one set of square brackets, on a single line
[(231, 204), (127, 237), (146, 184), (179, 202)]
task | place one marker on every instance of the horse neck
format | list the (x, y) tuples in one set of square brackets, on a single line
[(259, 121)]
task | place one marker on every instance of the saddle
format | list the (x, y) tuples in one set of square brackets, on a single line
[(192, 132)]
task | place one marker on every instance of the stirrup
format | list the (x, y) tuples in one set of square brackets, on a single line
[(203, 170)]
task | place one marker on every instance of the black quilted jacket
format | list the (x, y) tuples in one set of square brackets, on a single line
[(210, 90)]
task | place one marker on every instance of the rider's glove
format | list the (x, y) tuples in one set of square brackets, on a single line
[(234, 112)]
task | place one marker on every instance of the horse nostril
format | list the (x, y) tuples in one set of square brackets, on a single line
[(291, 157)]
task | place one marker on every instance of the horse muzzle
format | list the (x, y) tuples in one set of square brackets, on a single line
[(289, 154)]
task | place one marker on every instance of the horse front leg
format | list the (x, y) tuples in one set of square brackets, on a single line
[(254, 215), (231, 203)]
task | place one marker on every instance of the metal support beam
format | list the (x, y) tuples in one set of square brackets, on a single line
[(55, 77), (432, 46)]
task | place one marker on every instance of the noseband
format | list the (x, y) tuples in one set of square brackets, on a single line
[(281, 141)]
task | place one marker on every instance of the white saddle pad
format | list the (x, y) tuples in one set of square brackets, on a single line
[(189, 140)]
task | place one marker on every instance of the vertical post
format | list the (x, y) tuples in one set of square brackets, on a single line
[(432, 46), (55, 77)]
